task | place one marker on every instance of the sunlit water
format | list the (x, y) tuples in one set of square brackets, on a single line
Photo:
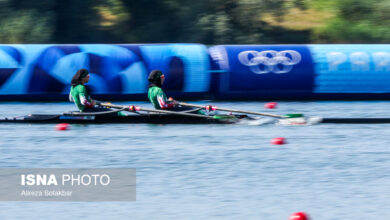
[(331, 171)]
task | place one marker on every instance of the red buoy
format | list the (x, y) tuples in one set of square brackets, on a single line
[(270, 105), (299, 216), (62, 127), (278, 141)]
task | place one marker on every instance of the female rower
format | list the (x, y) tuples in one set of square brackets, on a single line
[(156, 95), (79, 93), (158, 98)]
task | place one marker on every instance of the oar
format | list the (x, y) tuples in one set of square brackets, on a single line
[(242, 111), (137, 108), (92, 113)]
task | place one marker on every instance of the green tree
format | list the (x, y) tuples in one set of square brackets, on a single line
[(21, 25), (357, 21)]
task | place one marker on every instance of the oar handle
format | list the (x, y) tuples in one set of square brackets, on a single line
[(137, 108), (233, 110)]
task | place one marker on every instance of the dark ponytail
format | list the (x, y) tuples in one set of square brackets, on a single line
[(79, 76)]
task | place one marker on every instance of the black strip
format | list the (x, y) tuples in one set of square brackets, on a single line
[(356, 120)]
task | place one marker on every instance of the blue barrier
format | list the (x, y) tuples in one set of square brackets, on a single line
[(114, 69), (263, 69), (193, 71), (350, 68)]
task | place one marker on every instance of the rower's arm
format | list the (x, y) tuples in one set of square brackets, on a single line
[(85, 102), (71, 97), (163, 102)]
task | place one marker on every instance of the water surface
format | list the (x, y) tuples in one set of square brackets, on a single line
[(331, 171)]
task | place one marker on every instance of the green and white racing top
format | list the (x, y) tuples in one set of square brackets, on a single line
[(158, 98), (79, 95)]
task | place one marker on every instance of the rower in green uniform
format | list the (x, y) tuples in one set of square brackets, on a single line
[(78, 92), (156, 95), (80, 96), (158, 98)]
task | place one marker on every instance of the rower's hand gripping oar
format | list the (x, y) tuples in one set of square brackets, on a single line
[(213, 108), (137, 108)]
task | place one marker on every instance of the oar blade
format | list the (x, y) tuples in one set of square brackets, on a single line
[(296, 115), (227, 119)]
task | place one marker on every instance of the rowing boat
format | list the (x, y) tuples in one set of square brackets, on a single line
[(149, 118), (156, 118)]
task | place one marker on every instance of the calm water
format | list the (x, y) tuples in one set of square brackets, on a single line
[(331, 171)]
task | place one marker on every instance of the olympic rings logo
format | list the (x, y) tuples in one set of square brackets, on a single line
[(270, 60)]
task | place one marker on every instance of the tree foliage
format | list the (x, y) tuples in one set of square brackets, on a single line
[(357, 21), (201, 21)]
